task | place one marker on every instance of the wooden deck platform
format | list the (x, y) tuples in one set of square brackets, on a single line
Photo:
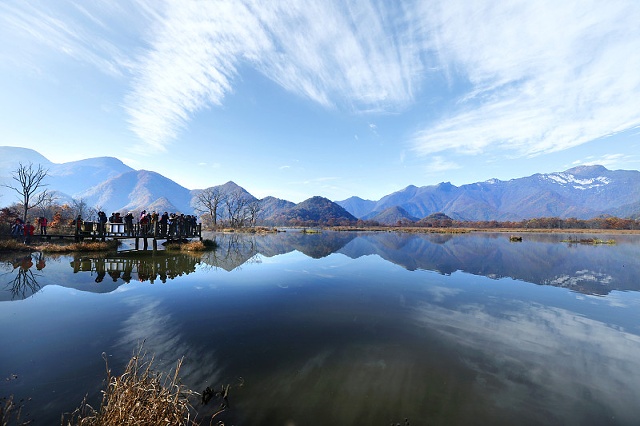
[(117, 231)]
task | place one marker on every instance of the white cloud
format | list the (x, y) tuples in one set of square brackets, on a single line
[(352, 56), (529, 77), (439, 164), (543, 75), (67, 29), (607, 160)]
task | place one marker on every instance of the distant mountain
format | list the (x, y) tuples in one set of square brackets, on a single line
[(317, 210), (357, 206), (271, 207), (138, 190), (436, 220), (391, 216), (94, 171), (67, 179), (583, 192), (233, 188), (11, 157)]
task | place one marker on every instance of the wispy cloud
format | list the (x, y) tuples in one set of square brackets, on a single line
[(542, 76), (607, 160), (438, 164), (351, 57), (67, 29), (528, 77), (548, 348)]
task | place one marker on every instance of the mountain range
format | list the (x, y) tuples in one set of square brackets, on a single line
[(108, 184), (582, 192)]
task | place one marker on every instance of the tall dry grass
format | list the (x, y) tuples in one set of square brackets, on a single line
[(84, 246), (192, 246), (11, 413), (139, 396)]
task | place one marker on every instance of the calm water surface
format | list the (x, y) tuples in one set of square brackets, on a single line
[(341, 328)]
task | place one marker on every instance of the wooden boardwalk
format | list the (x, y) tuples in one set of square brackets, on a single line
[(118, 231)]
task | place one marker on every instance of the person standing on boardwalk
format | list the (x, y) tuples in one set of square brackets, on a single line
[(28, 232), (102, 222), (128, 224), (164, 220), (17, 229), (43, 225)]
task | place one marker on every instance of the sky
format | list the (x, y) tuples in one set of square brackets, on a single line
[(333, 98)]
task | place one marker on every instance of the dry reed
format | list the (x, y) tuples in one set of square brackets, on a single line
[(140, 396), (11, 413), (13, 245), (84, 246), (192, 246)]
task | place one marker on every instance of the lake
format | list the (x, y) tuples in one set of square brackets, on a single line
[(341, 328)]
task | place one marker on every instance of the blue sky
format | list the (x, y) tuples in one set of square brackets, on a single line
[(331, 98)]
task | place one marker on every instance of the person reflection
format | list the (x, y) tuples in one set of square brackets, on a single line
[(115, 275), (100, 270), (128, 269), (26, 263), (40, 262)]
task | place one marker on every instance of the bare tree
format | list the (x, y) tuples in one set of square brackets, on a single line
[(236, 204), (29, 181), (80, 207), (47, 204), (208, 201), (253, 209)]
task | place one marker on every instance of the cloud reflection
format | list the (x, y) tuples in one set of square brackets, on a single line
[(551, 354), (152, 324)]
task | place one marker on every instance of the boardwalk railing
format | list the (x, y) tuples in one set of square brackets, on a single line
[(156, 231), (94, 231)]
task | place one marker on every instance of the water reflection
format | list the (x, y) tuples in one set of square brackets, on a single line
[(365, 343), (137, 267), (542, 259), (22, 273), (21, 280)]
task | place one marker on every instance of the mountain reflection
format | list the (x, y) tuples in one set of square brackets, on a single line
[(540, 259)]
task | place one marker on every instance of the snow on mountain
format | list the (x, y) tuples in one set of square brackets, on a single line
[(576, 183), (582, 192)]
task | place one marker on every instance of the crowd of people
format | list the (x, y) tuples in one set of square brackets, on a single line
[(26, 230), (150, 223), (147, 223)]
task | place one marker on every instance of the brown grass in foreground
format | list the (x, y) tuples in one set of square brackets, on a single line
[(11, 412), (85, 246), (140, 396), (13, 245), (192, 246)]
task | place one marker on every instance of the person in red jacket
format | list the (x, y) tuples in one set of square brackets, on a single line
[(28, 232), (43, 225)]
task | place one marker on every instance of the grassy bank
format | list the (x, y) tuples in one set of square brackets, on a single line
[(192, 246), (62, 247)]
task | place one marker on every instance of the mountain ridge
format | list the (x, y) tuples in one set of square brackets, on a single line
[(582, 192)]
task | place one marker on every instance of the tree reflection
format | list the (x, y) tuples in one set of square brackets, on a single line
[(23, 281), (233, 251)]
